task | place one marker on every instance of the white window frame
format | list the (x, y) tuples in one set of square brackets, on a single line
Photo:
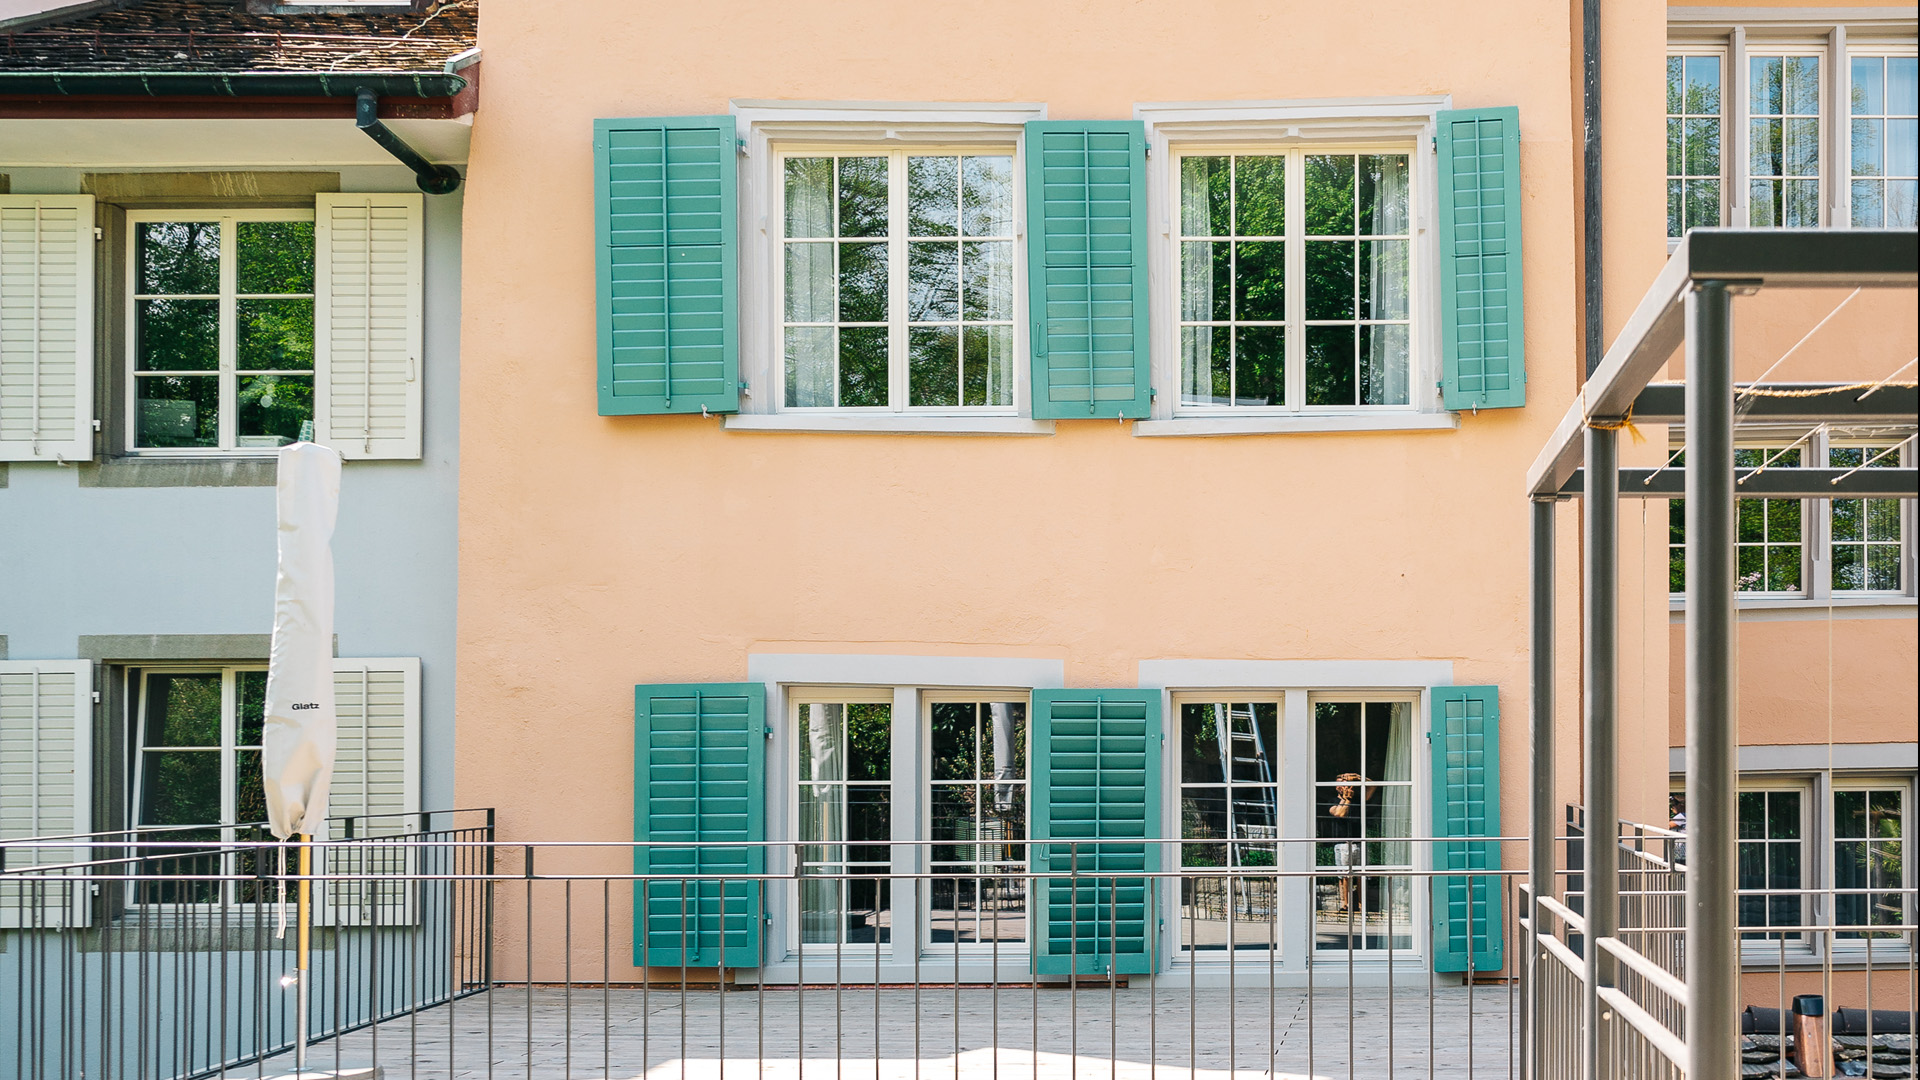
[(1789, 33), (1176, 788), (1344, 125), (1419, 794), (1722, 53), (1904, 456), (797, 699), (1856, 949), (1813, 867), (923, 812), (768, 132), (227, 368), (1787, 48), (228, 751)]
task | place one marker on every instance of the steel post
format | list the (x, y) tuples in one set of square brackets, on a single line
[(1540, 854), (1713, 770), (1601, 639)]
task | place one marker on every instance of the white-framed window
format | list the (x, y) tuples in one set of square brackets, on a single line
[(1696, 100), (1363, 817), (897, 278), (977, 812), (843, 808), (196, 771), (1884, 108), (1229, 807), (1813, 125), (1774, 861), (1785, 138), (220, 329), (1867, 537), (1338, 220), (1870, 865)]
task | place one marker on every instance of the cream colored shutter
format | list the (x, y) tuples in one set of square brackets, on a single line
[(376, 782), (46, 788), (46, 327), (368, 264)]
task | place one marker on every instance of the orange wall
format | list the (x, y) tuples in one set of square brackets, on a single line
[(1786, 683), (600, 552)]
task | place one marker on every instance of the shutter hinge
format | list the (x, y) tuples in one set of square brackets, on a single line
[(740, 145), (745, 390), (99, 233), (769, 731), (96, 697), (96, 425)]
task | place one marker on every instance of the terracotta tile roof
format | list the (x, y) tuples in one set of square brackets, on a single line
[(223, 36)]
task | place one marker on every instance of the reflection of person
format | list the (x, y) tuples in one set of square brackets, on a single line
[(1677, 821), (1347, 855)]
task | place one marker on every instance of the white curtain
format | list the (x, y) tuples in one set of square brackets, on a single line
[(809, 282), (1387, 270), (823, 821), (1396, 799), (1196, 282)]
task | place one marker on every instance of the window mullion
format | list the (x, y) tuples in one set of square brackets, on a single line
[(897, 280), (1296, 279), (1738, 210), (229, 309), (1817, 527), (1838, 110), (228, 706)]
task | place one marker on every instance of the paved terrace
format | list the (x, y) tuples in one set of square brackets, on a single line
[(625, 1034)]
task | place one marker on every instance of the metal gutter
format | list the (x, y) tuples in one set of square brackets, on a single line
[(237, 84)]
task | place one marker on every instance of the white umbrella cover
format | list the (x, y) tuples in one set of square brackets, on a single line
[(298, 744)]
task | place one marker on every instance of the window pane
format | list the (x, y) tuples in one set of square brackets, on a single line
[(869, 741), (272, 407), (1259, 365), (1869, 93), (1259, 196), (183, 710), (177, 410), (1867, 148), (954, 733), (1802, 85), (1385, 363), (1206, 280), (986, 365), (863, 366), (273, 335), (1259, 293), (1383, 278), (933, 196), (810, 378), (1703, 84), (810, 283), (1330, 365), (1765, 86), (249, 794), (178, 335), (822, 735), (180, 787), (1204, 196), (250, 706), (1330, 279), (1703, 147), (1329, 195), (986, 195), (1206, 366), (933, 366), (273, 256), (863, 196), (1337, 737), (933, 281), (1383, 195), (987, 272), (177, 257), (809, 196), (863, 283), (1783, 815), (1753, 815)]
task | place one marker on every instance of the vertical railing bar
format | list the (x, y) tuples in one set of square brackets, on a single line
[(566, 993)]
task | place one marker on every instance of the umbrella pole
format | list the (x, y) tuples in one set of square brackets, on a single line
[(300, 977)]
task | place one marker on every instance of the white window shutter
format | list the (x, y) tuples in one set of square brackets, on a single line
[(376, 780), (46, 327), (46, 783), (368, 336)]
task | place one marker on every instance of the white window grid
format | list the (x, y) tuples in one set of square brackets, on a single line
[(1778, 856), (228, 752), (228, 373), (1294, 399), (1863, 532), (1365, 848), (1882, 190), (1739, 44), (1789, 195), (1883, 890), (897, 241), (1003, 863), (1691, 190), (839, 860), (1252, 903)]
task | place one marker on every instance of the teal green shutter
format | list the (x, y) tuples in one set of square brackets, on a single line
[(1481, 308), (1087, 268), (1466, 802), (1096, 776), (699, 775), (664, 223)]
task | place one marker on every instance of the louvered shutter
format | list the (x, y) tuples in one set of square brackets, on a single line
[(368, 267), (46, 784), (1466, 802), (1096, 776), (375, 797), (46, 327), (1481, 298), (699, 775), (665, 206), (1087, 268)]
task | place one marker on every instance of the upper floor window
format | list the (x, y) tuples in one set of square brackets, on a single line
[(1694, 130), (1783, 140), (1336, 224), (898, 280), (221, 329), (1886, 151), (198, 734)]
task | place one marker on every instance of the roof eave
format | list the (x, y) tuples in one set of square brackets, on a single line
[(237, 84)]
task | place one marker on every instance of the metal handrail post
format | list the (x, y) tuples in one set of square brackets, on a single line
[(1713, 770), (1540, 857), (1601, 638)]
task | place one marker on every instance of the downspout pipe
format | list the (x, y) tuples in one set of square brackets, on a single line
[(1591, 266), (433, 179)]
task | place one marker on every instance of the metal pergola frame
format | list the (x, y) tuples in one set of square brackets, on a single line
[(1691, 302)]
